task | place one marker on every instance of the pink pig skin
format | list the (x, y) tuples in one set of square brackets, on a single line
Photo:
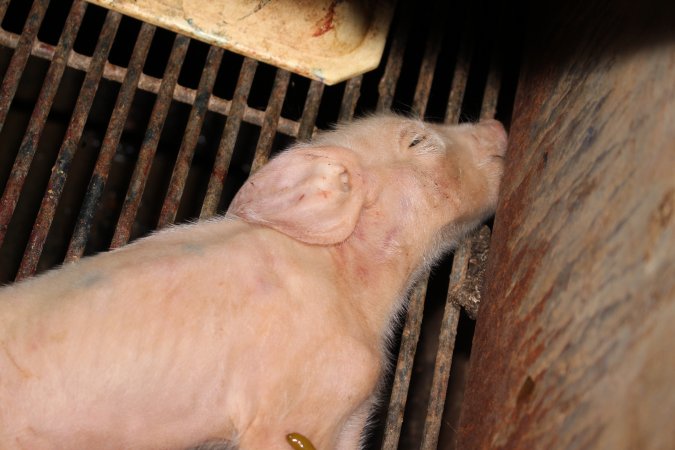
[(239, 330)]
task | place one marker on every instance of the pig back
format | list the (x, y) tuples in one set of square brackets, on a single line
[(197, 331)]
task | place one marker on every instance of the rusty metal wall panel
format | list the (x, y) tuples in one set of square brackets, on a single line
[(574, 342)]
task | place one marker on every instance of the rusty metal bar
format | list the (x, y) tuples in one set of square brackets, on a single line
[(109, 145), (192, 130), (33, 133), (150, 84), (229, 138), (349, 98), (446, 347), (3, 8), (492, 86), (468, 269), (458, 277), (428, 66), (150, 141), (38, 119), (387, 85), (310, 110), (459, 80), (415, 308), (272, 113), (404, 365), (17, 64), (73, 134), (10, 84)]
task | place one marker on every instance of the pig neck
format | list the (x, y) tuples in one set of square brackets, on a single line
[(377, 266)]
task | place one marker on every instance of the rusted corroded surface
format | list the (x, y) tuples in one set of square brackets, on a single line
[(17, 64), (468, 272), (147, 83), (428, 66), (392, 70), (109, 145), (192, 130), (489, 107), (443, 363), (573, 347), (272, 113), (69, 145), (310, 110), (349, 98), (36, 125), (229, 138), (10, 83), (3, 8), (404, 364), (459, 81), (467, 293), (153, 132)]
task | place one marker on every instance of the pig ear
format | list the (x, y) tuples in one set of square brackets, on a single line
[(314, 195)]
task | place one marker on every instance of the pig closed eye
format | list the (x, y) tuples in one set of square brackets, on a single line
[(416, 140)]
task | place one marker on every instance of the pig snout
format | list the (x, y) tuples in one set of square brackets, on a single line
[(492, 138), (488, 149)]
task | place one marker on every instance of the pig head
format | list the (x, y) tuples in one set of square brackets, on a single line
[(386, 194), (239, 330)]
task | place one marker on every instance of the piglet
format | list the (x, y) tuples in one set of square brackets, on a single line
[(271, 320)]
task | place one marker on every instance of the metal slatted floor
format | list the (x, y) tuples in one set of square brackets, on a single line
[(110, 128)]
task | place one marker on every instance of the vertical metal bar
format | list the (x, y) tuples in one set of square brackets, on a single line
[(458, 86), (262, 151), (3, 8), (84, 102), (39, 117), (492, 86), (229, 138), (150, 141), (462, 65), (387, 85), (110, 142), (43, 105), (413, 322), (192, 130), (446, 347), (311, 110), (404, 365), (428, 66), (20, 57), (460, 263), (349, 98)]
